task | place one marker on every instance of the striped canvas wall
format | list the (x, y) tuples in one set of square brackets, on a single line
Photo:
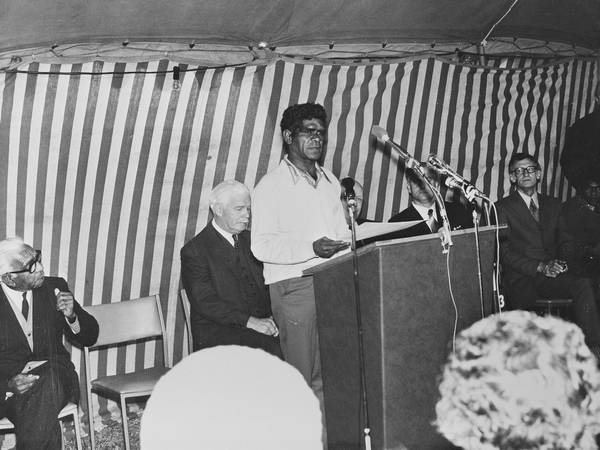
[(106, 167)]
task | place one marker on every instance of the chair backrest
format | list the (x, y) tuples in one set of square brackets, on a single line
[(185, 302), (130, 320)]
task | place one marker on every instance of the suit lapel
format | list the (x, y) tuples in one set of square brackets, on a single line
[(523, 208), (9, 323), (218, 245), (42, 317)]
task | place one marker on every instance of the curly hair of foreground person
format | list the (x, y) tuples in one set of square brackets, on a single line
[(520, 381)]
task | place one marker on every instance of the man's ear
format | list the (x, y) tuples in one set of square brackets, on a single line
[(512, 178), (8, 280), (287, 136), (217, 209)]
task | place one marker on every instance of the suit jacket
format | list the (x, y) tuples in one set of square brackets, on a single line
[(214, 284), (528, 242), (49, 327), (458, 216)]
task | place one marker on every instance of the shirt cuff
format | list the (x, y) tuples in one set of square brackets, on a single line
[(75, 328)]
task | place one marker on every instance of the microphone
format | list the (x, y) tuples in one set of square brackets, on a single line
[(381, 135), (348, 185), (455, 180)]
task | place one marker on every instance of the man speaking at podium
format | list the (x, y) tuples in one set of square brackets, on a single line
[(298, 222)]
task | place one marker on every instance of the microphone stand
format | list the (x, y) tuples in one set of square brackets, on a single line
[(444, 231), (479, 277), (361, 351)]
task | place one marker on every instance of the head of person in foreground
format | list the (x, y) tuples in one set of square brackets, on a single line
[(232, 397), (520, 381)]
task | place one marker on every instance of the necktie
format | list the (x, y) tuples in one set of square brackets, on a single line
[(534, 210), (236, 241), (431, 222), (25, 306)]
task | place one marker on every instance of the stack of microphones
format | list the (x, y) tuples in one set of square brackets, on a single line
[(453, 179)]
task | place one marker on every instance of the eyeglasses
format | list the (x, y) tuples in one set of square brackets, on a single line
[(312, 132), (519, 171), (31, 265)]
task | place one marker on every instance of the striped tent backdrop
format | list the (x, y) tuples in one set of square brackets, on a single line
[(106, 167)]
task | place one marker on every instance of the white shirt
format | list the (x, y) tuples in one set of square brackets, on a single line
[(289, 212), (223, 233), (15, 298), (424, 211), (527, 199)]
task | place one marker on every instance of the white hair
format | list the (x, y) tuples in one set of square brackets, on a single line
[(222, 191), (10, 250), (232, 397)]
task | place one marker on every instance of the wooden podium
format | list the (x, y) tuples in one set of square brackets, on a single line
[(408, 327)]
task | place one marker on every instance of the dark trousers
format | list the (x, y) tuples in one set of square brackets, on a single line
[(524, 291), (213, 335), (35, 413)]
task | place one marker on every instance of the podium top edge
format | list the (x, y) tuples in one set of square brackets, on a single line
[(376, 246)]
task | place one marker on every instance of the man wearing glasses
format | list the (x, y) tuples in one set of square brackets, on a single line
[(37, 377), (529, 251), (298, 222)]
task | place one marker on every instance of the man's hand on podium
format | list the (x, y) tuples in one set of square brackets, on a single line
[(326, 248)]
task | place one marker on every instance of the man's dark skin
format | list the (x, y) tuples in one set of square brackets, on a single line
[(305, 148)]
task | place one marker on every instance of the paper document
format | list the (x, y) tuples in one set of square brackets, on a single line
[(32, 365), (371, 229)]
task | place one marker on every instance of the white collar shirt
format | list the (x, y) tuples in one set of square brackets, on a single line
[(15, 298), (527, 199), (291, 210), (223, 233), (424, 211)]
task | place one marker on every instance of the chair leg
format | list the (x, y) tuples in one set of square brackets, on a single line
[(125, 424), (77, 424), (90, 412)]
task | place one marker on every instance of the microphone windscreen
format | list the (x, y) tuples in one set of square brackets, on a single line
[(379, 133)]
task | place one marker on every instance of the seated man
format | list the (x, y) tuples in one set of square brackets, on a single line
[(35, 313), (229, 301), (520, 381), (359, 197), (529, 251), (580, 216), (423, 207)]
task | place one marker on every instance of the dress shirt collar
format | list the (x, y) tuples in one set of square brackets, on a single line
[(527, 199), (15, 299), (424, 211), (223, 233), (300, 173)]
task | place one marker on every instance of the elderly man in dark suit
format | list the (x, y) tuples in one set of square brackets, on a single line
[(529, 251), (229, 301), (423, 207), (35, 313)]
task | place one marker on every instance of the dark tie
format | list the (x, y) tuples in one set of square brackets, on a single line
[(236, 241), (433, 224), (25, 306), (534, 210)]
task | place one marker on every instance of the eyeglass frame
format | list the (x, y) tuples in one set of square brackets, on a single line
[(31, 265), (312, 132), (520, 171)]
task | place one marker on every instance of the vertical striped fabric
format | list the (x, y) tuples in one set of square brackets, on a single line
[(109, 174)]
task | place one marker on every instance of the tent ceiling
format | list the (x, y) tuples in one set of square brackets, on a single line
[(284, 23)]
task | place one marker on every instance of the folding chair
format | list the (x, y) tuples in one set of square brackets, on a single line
[(185, 302), (123, 323), (69, 410)]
